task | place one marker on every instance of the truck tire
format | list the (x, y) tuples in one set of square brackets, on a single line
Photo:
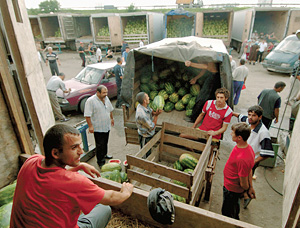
[(82, 104)]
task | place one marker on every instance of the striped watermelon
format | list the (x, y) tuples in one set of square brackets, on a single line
[(174, 98), (111, 166), (179, 106), (177, 84), (114, 175), (189, 112), (179, 198), (164, 94), (145, 88), (155, 77), (185, 77), (186, 98), (169, 106), (195, 90), (145, 78), (191, 103), (179, 183), (178, 76), (153, 94), (177, 166), (188, 171), (123, 177), (164, 74), (153, 86), (153, 106), (169, 88), (161, 85), (181, 92), (159, 102), (188, 161)]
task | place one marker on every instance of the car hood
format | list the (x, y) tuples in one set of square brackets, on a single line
[(282, 57), (76, 87)]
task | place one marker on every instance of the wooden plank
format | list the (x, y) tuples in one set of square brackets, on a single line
[(149, 145), (158, 183), (184, 142), (178, 151), (131, 131), (188, 131), (160, 169), (168, 157)]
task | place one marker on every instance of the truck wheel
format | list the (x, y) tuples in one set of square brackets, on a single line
[(82, 104)]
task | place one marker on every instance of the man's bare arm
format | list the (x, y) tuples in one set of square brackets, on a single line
[(199, 119)]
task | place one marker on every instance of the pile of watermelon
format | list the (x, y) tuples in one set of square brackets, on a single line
[(169, 80), (6, 201), (113, 171)]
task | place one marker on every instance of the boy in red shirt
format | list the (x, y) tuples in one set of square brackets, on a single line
[(238, 171)]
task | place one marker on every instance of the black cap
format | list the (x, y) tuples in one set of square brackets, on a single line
[(161, 206)]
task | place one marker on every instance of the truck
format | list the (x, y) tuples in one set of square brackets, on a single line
[(83, 31), (35, 27), (58, 29), (261, 20)]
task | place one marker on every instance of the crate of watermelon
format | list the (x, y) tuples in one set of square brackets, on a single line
[(175, 164)]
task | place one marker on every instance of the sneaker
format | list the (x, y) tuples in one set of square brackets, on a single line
[(246, 202), (65, 120)]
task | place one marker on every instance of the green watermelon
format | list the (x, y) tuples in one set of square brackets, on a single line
[(169, 88), (177, 84), (195, 90), (185, 77), (188, 161), (7, 193), (153, 86), (181, 92), (159, 102), (179, 183), (191, 103), (111, 166), (153, 106), (5, 212), (153, 94), (145, 78), (178, 76), (114, 175), (177, 166), (186, 98), (164, 94), (123, 177), (145, 88), (187, 85), (164, 74), (174, 98), (188, 171), (178, 198), (161, 85), (155, 77), (179, 106), (189, 112), (169, 106), (173, 68)]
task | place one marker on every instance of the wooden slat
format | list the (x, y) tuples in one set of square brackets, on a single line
[(131, 131), (178, 151), (149, 145), (188, 131), (156, 182), (160, 169), (184, 142), (168, 157)]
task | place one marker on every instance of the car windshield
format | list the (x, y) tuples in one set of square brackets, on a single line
[(90, 75), (291, 46)]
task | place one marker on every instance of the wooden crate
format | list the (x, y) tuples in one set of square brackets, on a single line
[(157, 170)]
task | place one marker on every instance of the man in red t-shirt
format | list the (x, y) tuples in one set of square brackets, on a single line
[(238, 171), (217, 115), (50, 195)]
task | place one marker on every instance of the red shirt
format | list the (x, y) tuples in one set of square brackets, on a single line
[(214, 117), (239, 164), (51, 197)]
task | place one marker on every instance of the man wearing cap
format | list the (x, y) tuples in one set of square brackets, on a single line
[(82, 54), (51, 57), (55, 83)]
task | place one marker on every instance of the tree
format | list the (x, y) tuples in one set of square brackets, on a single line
[(131, 8), (49, 6)]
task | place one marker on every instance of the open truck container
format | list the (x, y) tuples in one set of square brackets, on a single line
[(141, 25), (157, 57), (35, 27), (214, 24), (293, 23), (58, 29), (266, 20), (83, 29), (106, 29)]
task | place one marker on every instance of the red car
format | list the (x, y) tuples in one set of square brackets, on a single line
[(85, 85)]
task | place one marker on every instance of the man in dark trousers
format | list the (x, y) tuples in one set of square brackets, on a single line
[(118, 71), (270, 102), (82, 54), (52, 58)]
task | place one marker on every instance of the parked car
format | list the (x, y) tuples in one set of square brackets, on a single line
[(85, 85)]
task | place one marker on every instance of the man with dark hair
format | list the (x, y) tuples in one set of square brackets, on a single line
[(118, 71), (270, 102), (237, 171), (146, 119), (239, 76), (52, 58), (217, 115), (125, 54), (98, 114), (55, 83), (51, 193)]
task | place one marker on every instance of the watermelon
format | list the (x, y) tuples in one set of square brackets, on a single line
[(179, 183), (111, 166), (153, 94), (145, 88), (187, 85), (153, 106), (169, 88), (153, 86), (164, 74), (161, 85), (5, 212), (173, 68), (188, 161), (174, 98), (177, 166), (7, 193), (181, 92), (191, 103), (155, 77), (169, 106), (179, 198), (177, 84), (179, 106), (123, 177), (164, 94), (185, 77), (178, 76), (189, 112), (188, 171), (195, 90), (186, 98), (114, 175), (145, 78), (159, 102)]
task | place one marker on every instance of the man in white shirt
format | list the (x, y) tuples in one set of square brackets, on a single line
[(239, 77), (141, 43), (262, 47), (55, 83), (99, 55)]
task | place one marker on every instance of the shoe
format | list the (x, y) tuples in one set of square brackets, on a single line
[(246, 202), (253, 63), (108, 157), (65, 120)]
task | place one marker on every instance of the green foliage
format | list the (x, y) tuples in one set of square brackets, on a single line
[(131, 8), (49, 6)]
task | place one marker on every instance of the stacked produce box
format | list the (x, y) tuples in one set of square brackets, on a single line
[(180, 26), (216, 25)]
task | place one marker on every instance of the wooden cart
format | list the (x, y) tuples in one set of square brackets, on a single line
[(157, 170)]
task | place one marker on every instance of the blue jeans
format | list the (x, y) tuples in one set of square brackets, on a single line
[(97, 218), (237, 88)]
